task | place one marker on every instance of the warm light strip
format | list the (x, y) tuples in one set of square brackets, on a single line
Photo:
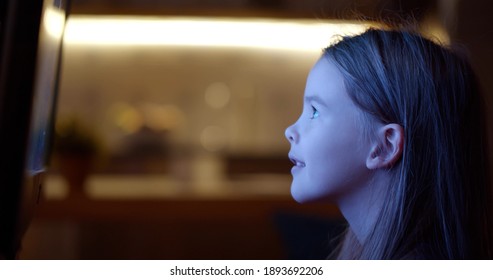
[(253, 33)]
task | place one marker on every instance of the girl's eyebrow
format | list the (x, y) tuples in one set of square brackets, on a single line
[(314, 98)]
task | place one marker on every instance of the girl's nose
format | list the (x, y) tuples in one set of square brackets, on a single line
[(291, 134)]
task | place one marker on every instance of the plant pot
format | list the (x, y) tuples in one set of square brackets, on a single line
[(75, 169)]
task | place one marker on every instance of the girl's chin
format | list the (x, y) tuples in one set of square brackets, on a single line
[(297, 194), (300, 195)]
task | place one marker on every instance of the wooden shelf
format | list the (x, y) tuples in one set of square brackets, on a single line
[(179, 227)]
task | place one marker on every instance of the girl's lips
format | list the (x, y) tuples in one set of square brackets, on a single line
[(296, 162)]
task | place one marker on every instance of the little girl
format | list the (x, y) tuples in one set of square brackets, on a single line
[(393, 132)]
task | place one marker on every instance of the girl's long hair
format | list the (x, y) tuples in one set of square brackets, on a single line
[(438, 203)]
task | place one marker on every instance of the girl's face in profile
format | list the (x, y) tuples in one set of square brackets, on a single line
[(328, 149)]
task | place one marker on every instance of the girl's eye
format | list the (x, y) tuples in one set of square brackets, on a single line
[(314, 113)]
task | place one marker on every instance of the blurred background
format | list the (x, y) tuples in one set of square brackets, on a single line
[(171, 116)]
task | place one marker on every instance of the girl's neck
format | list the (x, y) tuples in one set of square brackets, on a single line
[(362, 206)]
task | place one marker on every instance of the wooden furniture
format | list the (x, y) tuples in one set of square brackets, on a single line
[(186, 225)]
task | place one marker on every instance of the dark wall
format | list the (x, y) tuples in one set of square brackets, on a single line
[(474, 29)]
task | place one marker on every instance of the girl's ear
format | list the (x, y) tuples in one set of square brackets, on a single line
[(387, 148)]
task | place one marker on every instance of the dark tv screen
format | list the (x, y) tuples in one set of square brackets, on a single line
[(31, 35)]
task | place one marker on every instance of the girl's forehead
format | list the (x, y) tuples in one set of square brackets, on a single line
[(326, 71), (325, 83)]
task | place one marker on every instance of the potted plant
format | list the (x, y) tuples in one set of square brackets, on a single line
[(76, 148)]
